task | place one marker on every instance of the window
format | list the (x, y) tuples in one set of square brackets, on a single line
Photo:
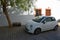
[(38, 20), (37, 14), (48, 19), (53, 19)]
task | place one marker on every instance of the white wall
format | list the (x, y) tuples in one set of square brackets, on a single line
[(15, 18), (53, 4), (21, 18)]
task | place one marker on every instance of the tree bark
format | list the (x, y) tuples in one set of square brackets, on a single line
[(4, 4)]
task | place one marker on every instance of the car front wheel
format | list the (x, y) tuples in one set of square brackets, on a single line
[(56, 27), (37, 31)]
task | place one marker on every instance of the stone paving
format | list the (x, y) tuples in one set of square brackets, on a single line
[(18, 33)]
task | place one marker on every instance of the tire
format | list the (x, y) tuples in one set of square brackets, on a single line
[(37, 31), (56, 27)]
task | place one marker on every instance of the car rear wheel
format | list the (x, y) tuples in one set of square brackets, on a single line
[(56, 27), (37, 31)]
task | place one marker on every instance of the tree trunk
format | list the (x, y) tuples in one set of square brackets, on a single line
[(4, 4)]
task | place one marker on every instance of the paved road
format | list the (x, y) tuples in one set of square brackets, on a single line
[(17, 33)]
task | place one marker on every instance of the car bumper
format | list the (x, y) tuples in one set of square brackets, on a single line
[(28, 31)]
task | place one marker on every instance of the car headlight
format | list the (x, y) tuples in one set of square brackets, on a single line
[(31, 26)]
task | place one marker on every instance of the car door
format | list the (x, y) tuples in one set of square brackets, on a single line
[(46, 24), (54, 22)]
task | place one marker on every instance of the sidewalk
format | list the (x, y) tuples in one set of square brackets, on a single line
[(18, 33), (9, 33)]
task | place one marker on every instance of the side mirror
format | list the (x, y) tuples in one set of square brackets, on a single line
[(44, 22)]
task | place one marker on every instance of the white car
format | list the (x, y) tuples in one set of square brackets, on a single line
[(40, 24)]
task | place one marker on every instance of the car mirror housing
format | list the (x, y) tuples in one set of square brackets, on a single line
[(44, 22)]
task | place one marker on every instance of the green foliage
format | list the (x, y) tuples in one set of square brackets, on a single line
[(11, 3), (22, 4)]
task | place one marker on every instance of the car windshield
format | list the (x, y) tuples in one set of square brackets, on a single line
[(38, 20)]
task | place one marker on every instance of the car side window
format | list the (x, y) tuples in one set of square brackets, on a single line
[(47, 20), (53, 19)]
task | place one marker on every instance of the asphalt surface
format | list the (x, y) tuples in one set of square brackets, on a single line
[(18, 33)]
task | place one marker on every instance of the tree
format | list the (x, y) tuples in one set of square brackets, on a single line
[(22, 4)]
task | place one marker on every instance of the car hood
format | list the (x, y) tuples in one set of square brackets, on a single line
[(30, 22)]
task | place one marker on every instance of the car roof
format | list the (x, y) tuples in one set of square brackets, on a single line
[(45, 16), (48, 16)]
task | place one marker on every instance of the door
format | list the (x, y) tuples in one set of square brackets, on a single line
[(46, 24)]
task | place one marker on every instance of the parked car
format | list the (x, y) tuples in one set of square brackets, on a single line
[(42, 23)]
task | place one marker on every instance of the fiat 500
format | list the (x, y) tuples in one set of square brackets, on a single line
[(42, 23)]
